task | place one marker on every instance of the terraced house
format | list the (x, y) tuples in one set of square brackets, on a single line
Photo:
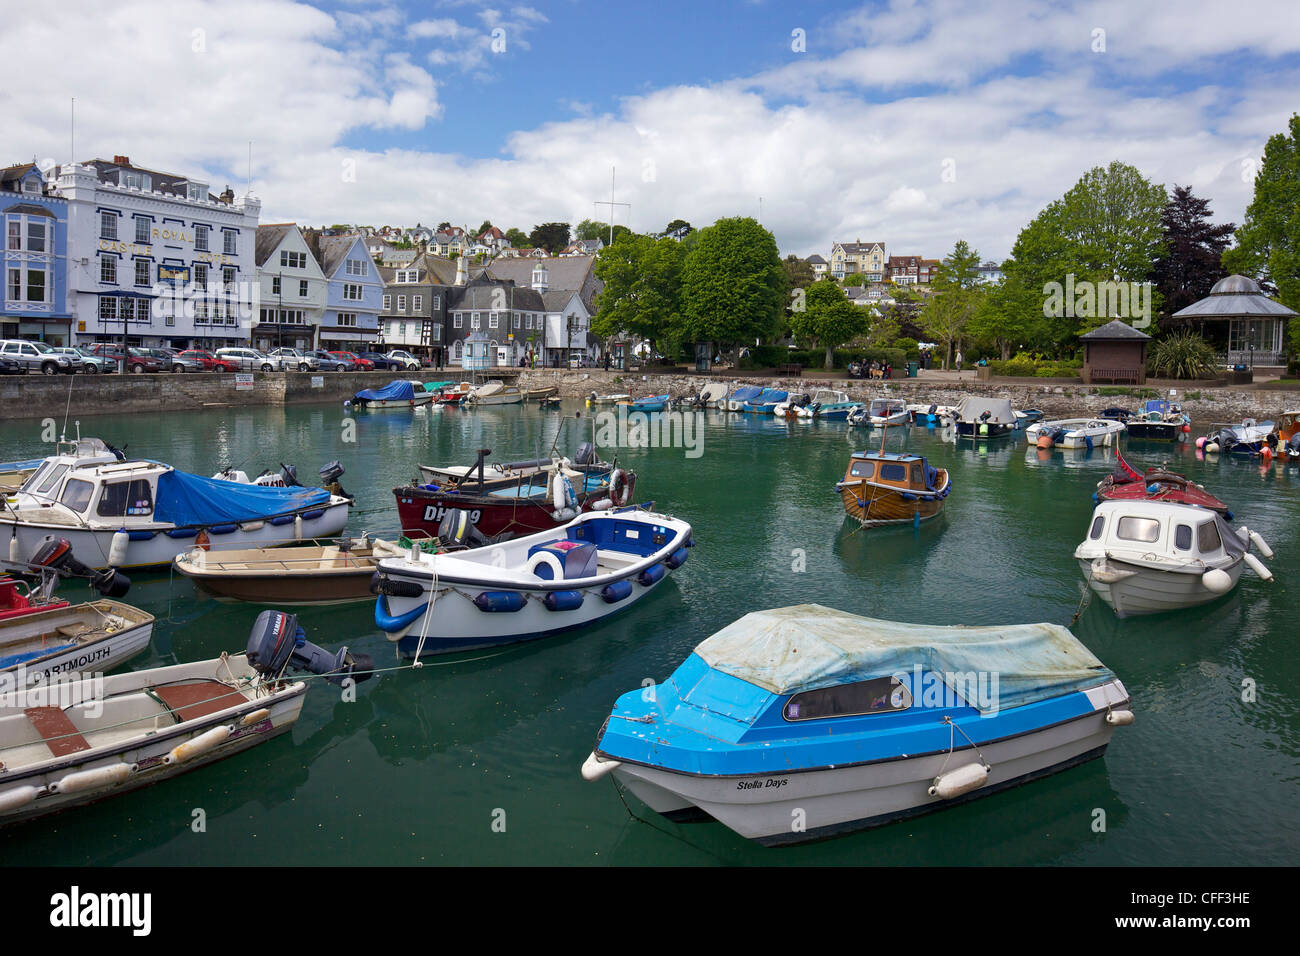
[(293, 290), (33, 299), (413, 315), (354, 292)]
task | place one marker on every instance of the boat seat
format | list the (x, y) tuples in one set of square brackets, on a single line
[(192, 699), (57, 730)]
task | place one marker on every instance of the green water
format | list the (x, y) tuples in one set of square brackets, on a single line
[(423, 764)]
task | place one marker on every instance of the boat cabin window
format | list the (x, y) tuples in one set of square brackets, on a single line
[(1207, 538), (1138, 529), (125, 498), (918, 476), (875, 696), (892, 471), (51, 480), (76, 494), (1183, 537), (36, 477), (1098, 525), (863, 469)]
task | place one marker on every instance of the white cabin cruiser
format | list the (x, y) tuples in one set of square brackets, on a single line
[(125, 513), (1074, 433), (1143, 557)]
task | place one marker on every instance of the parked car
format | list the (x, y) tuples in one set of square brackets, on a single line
[(172, 360), (90, 362), (247, 360), (11, 366), (37, 357), (406, 358), (379, 360), (209, 361), (363, 365), (293, 359), (79, 363), (137, 361), (328, 363)]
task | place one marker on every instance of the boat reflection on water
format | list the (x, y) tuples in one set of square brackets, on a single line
[(1070, 457)]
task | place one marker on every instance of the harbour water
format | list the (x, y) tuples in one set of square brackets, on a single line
[(475, 759)]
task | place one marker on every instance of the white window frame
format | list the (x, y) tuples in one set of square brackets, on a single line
[(107, 225), (388, 303), (201, 237), (108, 266)]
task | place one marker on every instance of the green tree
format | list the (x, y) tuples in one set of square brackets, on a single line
[(1268, 240), (798, 272), (551, 236), (516, 237), (956, 298), (487, 224), (828, 318), (678, 224), (444, 226), (1008, 316), (733, 286), (854, 279), (642, 293)]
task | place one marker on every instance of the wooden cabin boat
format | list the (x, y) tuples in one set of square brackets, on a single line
[(495, 392), (892, 488), (320, 573), (62, 639)]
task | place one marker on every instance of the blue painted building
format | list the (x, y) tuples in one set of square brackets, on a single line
[(354, 292), (33, 298)]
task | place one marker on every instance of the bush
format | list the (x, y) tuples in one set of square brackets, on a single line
[(1027, 366), (909, 347), (1182, 355)]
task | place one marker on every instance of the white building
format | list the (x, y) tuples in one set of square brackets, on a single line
[(293, 290), (156, 257)]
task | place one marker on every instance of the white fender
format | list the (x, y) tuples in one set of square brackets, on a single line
[(17, 797), (1119, 718), (594, 767), (13, 548), (1217, 580), (198, 745), (962, 780), (256, 716), (297, 527), (604, 504), (1257, 566), (1258, 541), (117, 549), (557, 490), (545, 557), (92, 779)]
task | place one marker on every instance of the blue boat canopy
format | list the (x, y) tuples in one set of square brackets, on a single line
[(189, 501), (395, 391), (794, 649)]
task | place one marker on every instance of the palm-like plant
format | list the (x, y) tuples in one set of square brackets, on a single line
[(1182, 355)]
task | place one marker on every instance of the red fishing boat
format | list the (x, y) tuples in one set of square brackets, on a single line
[(500, 500), (16, 603), (1156, 484)]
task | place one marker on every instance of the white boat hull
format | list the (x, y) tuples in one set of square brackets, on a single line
[(96, 657), (795, 807), (420, 398), (1131, 589)]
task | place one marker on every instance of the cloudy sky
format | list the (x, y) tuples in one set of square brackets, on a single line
[(915, 122)]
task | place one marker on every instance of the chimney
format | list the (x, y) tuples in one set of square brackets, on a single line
[(462, 271), (541, 278), (228, 196), (121, 160)]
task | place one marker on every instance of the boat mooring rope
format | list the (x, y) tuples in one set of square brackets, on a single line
[(676, 836), (952, 726)]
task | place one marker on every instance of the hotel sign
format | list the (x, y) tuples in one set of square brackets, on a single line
[(174, 274)]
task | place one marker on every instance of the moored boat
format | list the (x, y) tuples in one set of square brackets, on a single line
[(803, 723), (1074, 432), (1250, 438), (764, 402), (651, 403), (399, 393), (1160, 420), (887, 488), (981, 418), (829, 405), (495, 392), (65, 639), (1156, 484)]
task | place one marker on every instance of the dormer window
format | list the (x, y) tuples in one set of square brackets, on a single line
[(32, 185), (133, 179), (196, 192)]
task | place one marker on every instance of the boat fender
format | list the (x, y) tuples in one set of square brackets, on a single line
[(1257, 566), (594, 767), (314, 513), (381, 584), (604, 504), (1200, 443), (252, 526), (1119, 718), (13, 548), (17, 797), (651, 576), (198, 745), (201, 540), (395, 627), (1217, 580), (256, 717), (499, 601), (297, 527), (281, 520), (1258, 541), (618, 487), (677, 559), (95, 779), (117, 549), (548, 559), (962, 780), (223, 528), (617, 591), (562, 600)]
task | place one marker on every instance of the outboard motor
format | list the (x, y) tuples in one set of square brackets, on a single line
[(586, 454), (56, 554), (329, 479), (289, 474), (277, 642), (1226, 440), (456, 530), (1293, 446)]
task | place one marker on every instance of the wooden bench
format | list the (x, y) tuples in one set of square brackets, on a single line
[(795, 370)]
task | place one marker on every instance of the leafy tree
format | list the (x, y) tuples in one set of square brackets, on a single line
[(444, 226), (487, 224), (551, 236), (960, 270), (517, 238), (678, 224), (642, 293), (733, 286), (828, 318), (854, 279), (798, 272), (1194, 246), (1008, 316), (1268, 241), (591, 229), (956, 297)]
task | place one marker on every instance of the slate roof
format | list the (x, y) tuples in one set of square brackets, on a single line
[(566, 273), (814, 259), (479, 295), (269, 238), (1234, 295), (1115, 331)]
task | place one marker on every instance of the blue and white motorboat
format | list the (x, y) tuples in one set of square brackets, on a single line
[(651, 403), (396, 394), (123, 513), (1075, 433), (502, 592), (804, 722), (1028, 416), (880, 413), (829, 405), (1248, 438), (765, 401), (735, 402)]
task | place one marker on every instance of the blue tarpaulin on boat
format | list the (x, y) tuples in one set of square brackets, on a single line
[(396, 391), (794, 649), (190, 501)]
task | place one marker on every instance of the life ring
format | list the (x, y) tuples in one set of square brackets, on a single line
[(619, 487), (545, 557), (201, 541)]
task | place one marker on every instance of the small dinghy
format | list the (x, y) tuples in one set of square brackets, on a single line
[(1144, 557), (880, 413), (594, 399), (73, 743), (396, 394), (765, 402), (530, 587), (979, 418), (454, 394), (828, 405), (735, 402), (70, 639), (495, 392), (804, 723), (931, 416), (332, 573), (651, 403), (1249, 438), (1074, 433), (1157, 484)]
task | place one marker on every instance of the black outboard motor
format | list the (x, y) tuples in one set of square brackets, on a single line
[(289, 475), (329, 479), (1226, 440), (1293, 446), (56, 554), (456, 530), (586, 454), (277, 642)]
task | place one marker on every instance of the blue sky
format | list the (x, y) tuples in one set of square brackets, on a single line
[(912, 122)]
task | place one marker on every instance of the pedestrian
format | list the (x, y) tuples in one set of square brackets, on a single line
[(959, 360)]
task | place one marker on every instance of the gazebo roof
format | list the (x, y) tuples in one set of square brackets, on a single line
[(1234, 296), (1115, 331)]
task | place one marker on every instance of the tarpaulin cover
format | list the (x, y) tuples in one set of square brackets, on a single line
[(396, 391), (189, 501), (794, 649), (999, 410)]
